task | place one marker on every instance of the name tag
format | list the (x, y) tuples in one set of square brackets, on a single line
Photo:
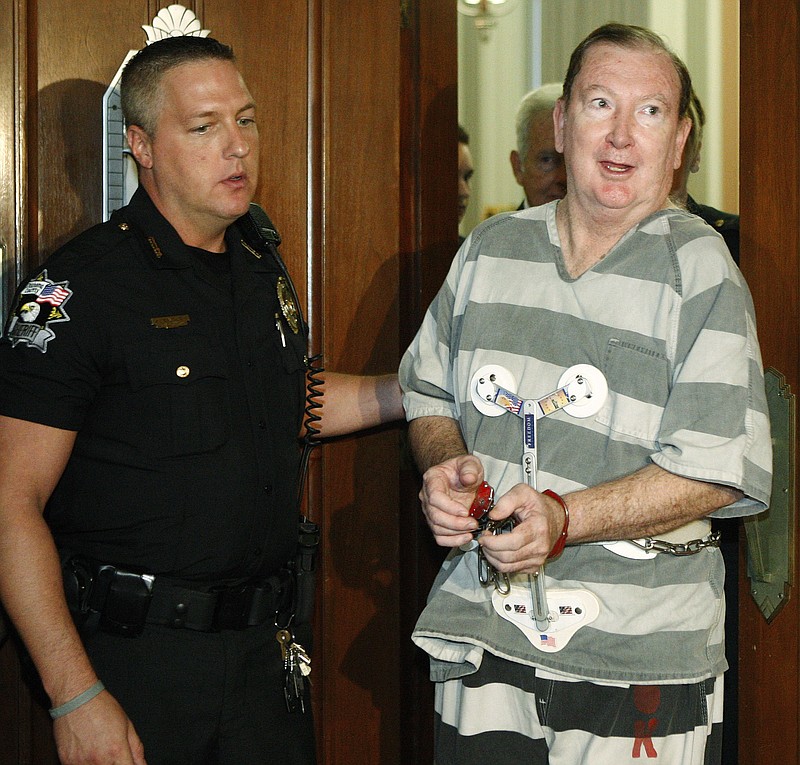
[(169, 322)]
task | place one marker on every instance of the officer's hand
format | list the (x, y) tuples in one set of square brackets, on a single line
[(539, 519), (98, 733), (447, 493)]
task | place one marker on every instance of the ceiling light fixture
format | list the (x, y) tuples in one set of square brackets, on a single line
[(485, 12)]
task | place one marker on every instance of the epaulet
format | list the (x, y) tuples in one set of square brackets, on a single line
[(718, 219), (724, 221), (93, 243)]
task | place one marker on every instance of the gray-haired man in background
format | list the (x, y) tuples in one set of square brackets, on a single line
[(537, 166)]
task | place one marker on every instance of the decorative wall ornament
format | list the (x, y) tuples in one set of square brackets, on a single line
[(120, 177), (174, 21)]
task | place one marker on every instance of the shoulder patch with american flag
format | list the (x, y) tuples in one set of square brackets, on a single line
[(40, 303)]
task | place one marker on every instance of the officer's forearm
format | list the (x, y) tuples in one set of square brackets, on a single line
[(30, 573), (32, 592), (356, 402)]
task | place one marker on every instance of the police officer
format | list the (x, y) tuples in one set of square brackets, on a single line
[(151, 393), (726, 223)]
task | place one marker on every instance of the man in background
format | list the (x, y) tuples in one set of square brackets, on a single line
[(465, 171), (537, 166), (726, 223)]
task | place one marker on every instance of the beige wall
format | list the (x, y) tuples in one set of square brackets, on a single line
[(532, 44)]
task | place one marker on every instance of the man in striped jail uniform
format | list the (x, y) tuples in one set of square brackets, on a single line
[(613, 651)]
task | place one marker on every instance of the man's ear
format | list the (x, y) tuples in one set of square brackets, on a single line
[(516, 165), (140, 144), (681, 136), (559, 117)]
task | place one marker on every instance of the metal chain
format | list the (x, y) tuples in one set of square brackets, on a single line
[(683, 548)]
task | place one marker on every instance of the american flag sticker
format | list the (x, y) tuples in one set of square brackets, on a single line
[(547, 640), (508, 400), (55, 294)]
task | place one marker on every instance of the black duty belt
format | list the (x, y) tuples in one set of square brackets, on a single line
[(231, 608), (123, 602)]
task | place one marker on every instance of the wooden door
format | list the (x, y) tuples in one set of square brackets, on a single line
[(357, 116), (769, 167)]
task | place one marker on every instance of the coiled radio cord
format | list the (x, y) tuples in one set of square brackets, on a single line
[(312, 416)]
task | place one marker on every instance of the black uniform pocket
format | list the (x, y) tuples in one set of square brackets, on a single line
[(180, 389), (284, 360)]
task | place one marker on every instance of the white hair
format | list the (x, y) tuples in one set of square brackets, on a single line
[(542, 99)]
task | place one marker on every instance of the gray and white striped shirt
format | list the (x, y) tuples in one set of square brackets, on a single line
[(668, 319)]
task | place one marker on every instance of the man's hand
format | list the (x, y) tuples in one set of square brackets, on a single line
[(524, 550), (447, 493), (98, 733)]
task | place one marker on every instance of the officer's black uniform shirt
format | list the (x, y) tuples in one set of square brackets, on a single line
[(185, 383), (726, 223)]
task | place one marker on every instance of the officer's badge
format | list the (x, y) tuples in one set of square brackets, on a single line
[(40, 303), (288, 306)]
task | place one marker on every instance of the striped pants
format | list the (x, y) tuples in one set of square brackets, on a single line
[(511, 714)]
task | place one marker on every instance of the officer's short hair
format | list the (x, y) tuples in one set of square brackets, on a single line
[(140, 84), (631, 37), (542, 99)]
